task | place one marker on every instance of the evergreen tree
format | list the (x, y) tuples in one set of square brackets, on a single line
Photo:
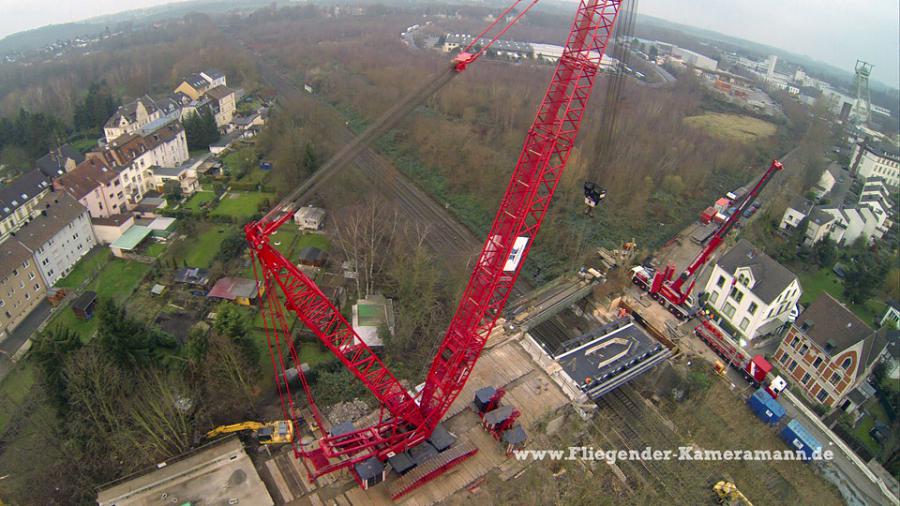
[(50, 351)]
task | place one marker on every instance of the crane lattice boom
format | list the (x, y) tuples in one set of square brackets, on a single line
[(408, 419)]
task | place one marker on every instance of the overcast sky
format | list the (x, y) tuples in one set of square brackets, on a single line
[(834, 31)]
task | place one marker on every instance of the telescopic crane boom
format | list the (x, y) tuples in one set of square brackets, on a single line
[(406, 418), (673, 294)]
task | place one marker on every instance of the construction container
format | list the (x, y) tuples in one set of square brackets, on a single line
[(719, 218), (722, 204), (765, 407), (799, 439), (707, 215)]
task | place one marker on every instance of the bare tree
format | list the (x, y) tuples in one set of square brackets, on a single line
[(365, 235)]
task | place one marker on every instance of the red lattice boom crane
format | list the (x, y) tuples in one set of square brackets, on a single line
[(407, 419)]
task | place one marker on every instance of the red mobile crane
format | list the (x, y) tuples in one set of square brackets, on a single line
[(673, 294), (407, 419)]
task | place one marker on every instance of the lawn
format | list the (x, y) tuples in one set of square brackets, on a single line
[(744, 129), (91, 263), (155, 249), (241, 205), (313, 240), (204, 249), (13, 390), (825, 280), (198, 200), (84, 145), (283, 240), (118, 280), (875, 412)]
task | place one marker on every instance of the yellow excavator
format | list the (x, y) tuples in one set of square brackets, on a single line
[(268, 433), (728, 493)]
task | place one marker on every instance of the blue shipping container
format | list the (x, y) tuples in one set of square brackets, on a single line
[(765, 407), (798, 438)]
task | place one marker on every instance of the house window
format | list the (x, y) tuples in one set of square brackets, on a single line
[(792, 366), (804, 349), (821, 396), (2, 303), (835, 378), (794, 342), (783, 359), (31, 276), (752, 309), (744, 323), (737, 295), (846, 363), (728, 309), (817, 362), (713, 297), (805, 378), (721, 282)]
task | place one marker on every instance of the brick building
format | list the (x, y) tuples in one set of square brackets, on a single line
[(828, 351)]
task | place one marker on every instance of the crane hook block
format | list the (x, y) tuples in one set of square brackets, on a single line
[(593, 193)]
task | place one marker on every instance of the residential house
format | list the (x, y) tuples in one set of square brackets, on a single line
[(310, 218), (876, 160), (828, 179), (193, 86), (131, 117), (891, 316), (110, 228), (750, 292), (796, 212), (239, 290), (59, 236), (820, 225), (116, 179), (128, 242), (843, 225), (185, 174), (224, 100), (21, 286), (59, 161), (829, 351), (96, 186), (18, 201), (213, 77)]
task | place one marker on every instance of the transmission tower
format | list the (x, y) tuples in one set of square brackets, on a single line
[(863, 100)]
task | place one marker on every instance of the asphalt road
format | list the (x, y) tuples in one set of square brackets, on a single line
[(17, 337)]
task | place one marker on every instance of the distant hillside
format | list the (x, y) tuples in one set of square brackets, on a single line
[(39, 37)]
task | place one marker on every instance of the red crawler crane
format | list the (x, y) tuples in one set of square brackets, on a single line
[(673, 294), (407, 419)]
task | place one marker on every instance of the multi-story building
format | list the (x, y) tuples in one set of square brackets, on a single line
[(828, 351), (57, 237), (751, 293), (115, 179), (224, 99), (21, 286), (870, 160), (196, 85), (96, 186), (131, 117), (18, 201)]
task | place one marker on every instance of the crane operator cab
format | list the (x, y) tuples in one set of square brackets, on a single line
[(593, 195)]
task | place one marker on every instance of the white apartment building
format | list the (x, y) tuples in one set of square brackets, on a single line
[(752, 293), (869, 161), (59, 236)]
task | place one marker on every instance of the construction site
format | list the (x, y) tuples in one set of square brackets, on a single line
[(619, 355)]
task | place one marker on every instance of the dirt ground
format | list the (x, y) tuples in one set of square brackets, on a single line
[(715, 418)]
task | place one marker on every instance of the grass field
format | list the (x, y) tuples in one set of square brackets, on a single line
[(13, 390), (117, 281), (91, 263), (313, 240), (198, 199), (204, 249), (155, 249), (733, 127), (240, 205), (284, 239), (824, 280)]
